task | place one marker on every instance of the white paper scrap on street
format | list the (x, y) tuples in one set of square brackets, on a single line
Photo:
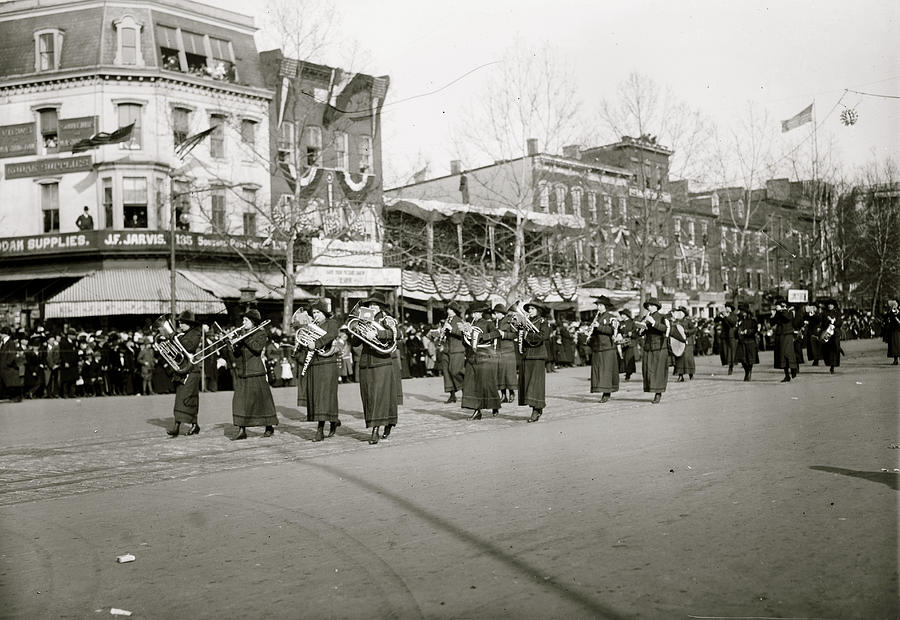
[(115, 611), (122, 559)]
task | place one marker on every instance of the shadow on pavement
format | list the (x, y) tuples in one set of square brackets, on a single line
[(291, 413), (891, 479), (444, 414), (426, 399)]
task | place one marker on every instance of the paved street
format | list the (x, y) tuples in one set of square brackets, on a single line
[(729, 499)]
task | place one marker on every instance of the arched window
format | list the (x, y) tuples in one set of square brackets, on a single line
[(128, 42), (47, 49), (576, 200)]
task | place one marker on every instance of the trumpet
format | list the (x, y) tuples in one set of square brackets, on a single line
[(169, 346)]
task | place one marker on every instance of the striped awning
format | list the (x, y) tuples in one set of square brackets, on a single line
[(130, 291), (437, 209), (453, 287), (228, 284)]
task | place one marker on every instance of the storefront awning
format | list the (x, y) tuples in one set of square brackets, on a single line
[(29, 274), (452, 287), (130, 291), (432, 210), (228, 284)]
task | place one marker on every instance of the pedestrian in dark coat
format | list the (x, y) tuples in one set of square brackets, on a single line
[(252, 404), (831, 349), (566, 349), (655, 364), (799, 323), (627, 329), (533, 377), (812, 321), (747, 353), (506, 345), (480, 381), (604, 358), (783, 335), (187, 379), (684, 364), (453, 352), (727, 321), (377, 386), (891, 330), (68, 364), (12, 355), (146, 359), (53, 366), (317, 386)]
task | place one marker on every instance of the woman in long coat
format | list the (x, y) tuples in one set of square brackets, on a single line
[(377, 383), (891, 331), (533, 375), (831, 350), (685, 365), (252, 404), (480, 381), (317, 388), (506, 345), (604, 357), (627, 362), (783, 336), (747, 353), (655, 363), (187, 384)]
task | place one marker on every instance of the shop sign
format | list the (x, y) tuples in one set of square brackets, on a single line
[(340, 277), (798, 296), (71, 130), (17, 140), (346, 253), (43, 167)]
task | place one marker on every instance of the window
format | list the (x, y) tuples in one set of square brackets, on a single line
[(592, 207), (342, 151), (50, 206), (611, 255), (248, 132), (249, 211), (217, 137), (218, 209), (576, 200), (607, 207), (286, 147), (222, 60), (749, 279), (313, 142), (623, 208), (704, 231), (759, 280), (693, 275), (692, 234), (194, 53), (169, 48), (544, 196), (723, 240), (181, 124), (676, 224), (365, 154), (679, 274), (134, 202), (131, 113), (128, 42), (181, 200), (740, 209), (107, 203), (49, 129), (560, 191), (663, 271), (734, 240), (47, 47), (647, 174), (595, 254), (760, 245)]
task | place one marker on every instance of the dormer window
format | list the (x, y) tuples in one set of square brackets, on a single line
[(128, 42), (195, 53), (47, 49)]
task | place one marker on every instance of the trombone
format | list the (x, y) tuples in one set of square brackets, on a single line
[(169, 346)]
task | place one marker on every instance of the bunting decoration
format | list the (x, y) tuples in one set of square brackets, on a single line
[(122, 134), (187, 145)]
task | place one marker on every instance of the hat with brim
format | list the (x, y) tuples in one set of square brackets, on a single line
[(541, 308), (626, 312), (653, 301), (779, 301), (455, 307), (254, 315), (603, 299), (683, 310), (376, 298), (729, 304), (321, 306), (499, 308), (483, 308), (187, 316)]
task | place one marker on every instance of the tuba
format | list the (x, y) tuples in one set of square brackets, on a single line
[(168, 345), (306, 334), (362, 324)]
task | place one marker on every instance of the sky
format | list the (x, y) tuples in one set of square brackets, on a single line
[(716, 56)]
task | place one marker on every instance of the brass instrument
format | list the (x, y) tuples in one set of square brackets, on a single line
[(588, 329), (168, 345), (519, 319), (828, 333), (470, 333), (306, 334), (362, 324), (443, 331)]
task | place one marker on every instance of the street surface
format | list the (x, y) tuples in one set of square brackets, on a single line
[(729, 499)]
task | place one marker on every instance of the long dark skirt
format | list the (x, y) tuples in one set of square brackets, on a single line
[(747, 353), (398, 375), (533, 384), (480, 382), (317, 391), (377, 390), (655, 370), (626, 362), (831, 351), (726, 351), (604, 371), (798, 351), (252, 403), (453, 369), (507, 376), (785, 357), (685, 364), (187, 399)]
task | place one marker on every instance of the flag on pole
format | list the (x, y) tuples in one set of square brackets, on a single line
[(805, 116), (122, 134), (187, 145)]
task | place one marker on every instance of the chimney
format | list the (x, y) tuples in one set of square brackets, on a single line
[(573, 151), (532, 146), (455, 166)]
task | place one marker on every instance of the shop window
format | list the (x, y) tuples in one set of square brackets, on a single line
[(129, 113), (47, 48), (218, 210), (134, 202), (50, 206), (365, 154), (217, 137), (107, 203), (49, 128), (181, 124)]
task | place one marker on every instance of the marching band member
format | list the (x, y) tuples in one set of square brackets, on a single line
[(506, 347), (747, 353), (684, 364), (655, 363), (377, 387), (604, 359), (187, 384), (783, 334), (252, 404), (453, 351), (831, 350), (533, 377), (627, 330), (317, 388), (891, 330), (727, 322), (480, 381), (812, 321)]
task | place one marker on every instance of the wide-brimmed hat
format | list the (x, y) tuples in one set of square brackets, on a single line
[(779, 301), (187, 316), (603, 299), (626, 312), (729, 304), (455, 307), (541, 308), (833, 302), (653, 301), (499, 308), (481, 307), (377, 298), (321, 306), (254, 315), (683, 310)]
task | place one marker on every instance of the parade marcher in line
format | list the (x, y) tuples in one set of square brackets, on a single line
[(627, 330), (831, 350), (533, 373), (252, 404), (453, 352), (317, 389), (727, 321), (187, 384), (377, 386), (147, 361), (890, 330), (684, 364), (480, 381), (812, 322), (507, 379), (747, 353), (800, 327), (655, 362), (604, 358), (783, 334)]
